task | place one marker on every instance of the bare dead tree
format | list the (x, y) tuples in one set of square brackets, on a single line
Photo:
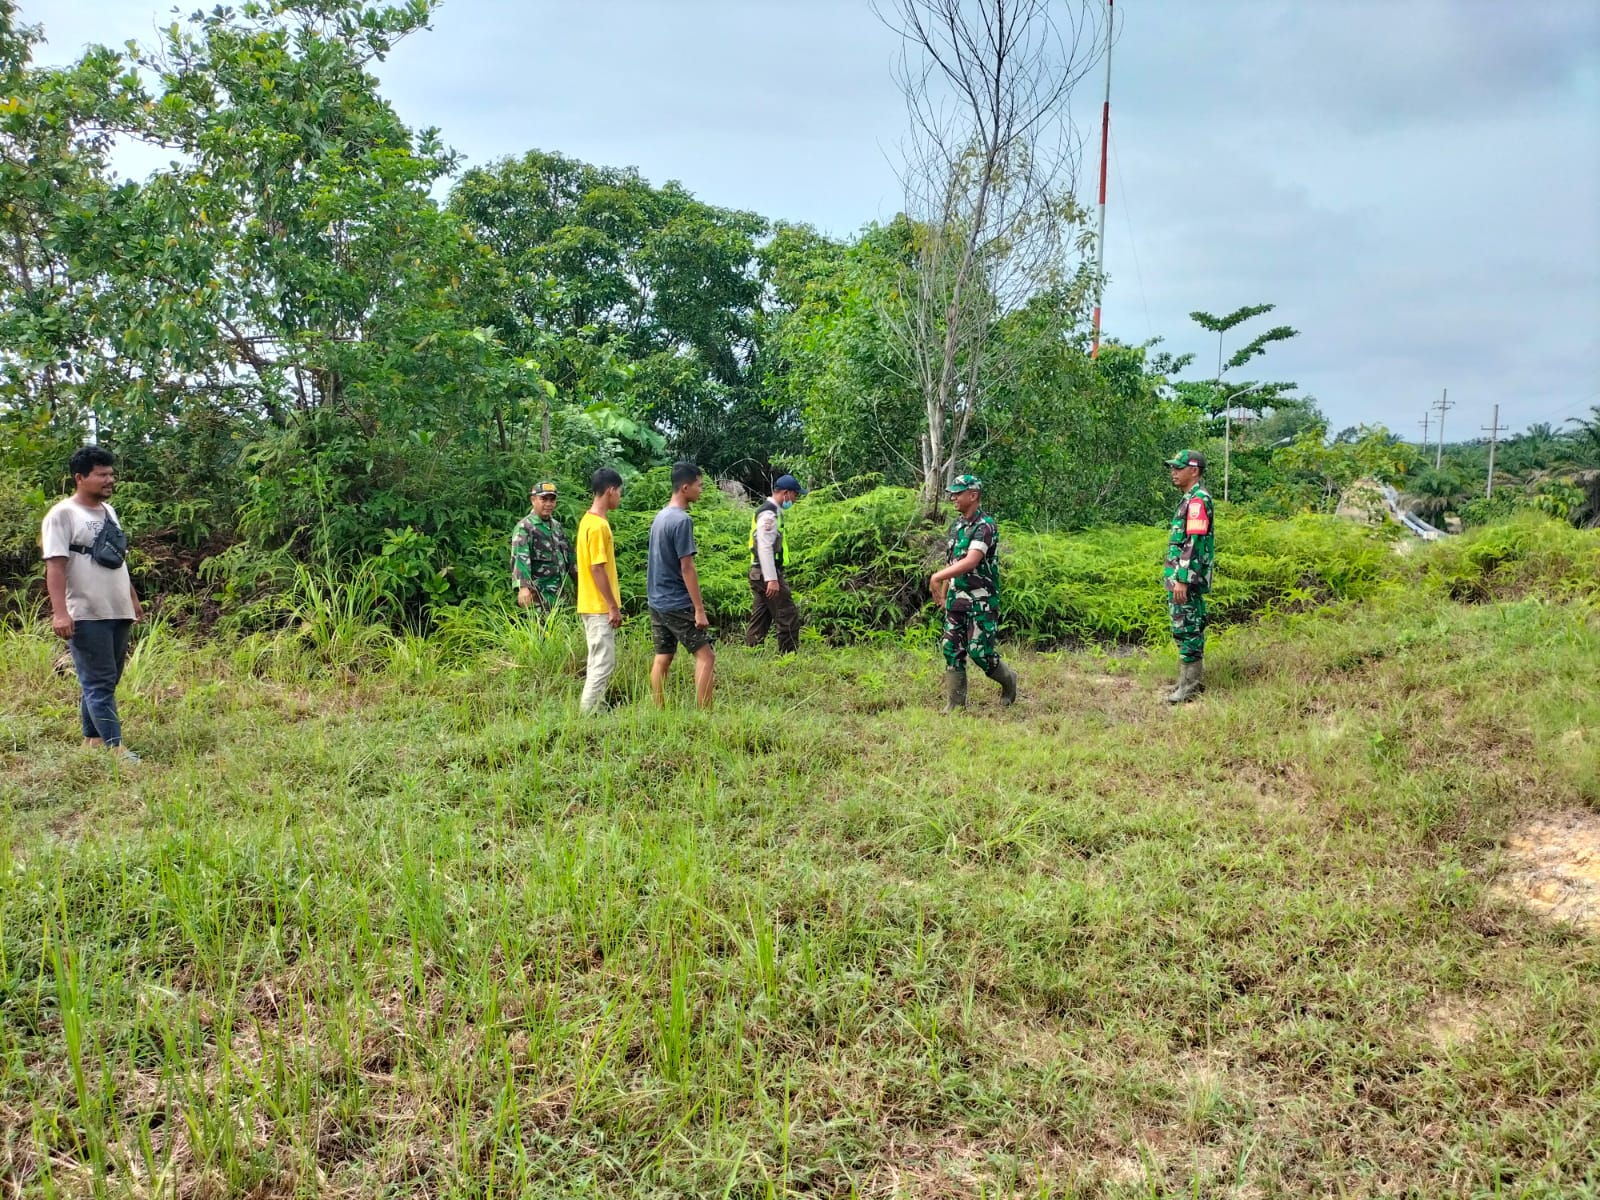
[(989, 169)]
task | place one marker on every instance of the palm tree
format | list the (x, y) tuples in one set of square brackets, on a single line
[(1587, 437), (1539, 448), (1433, 493)]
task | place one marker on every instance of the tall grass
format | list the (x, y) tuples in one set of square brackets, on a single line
[(434, 935)]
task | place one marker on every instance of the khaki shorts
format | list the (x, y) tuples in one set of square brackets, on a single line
[(669, 630)]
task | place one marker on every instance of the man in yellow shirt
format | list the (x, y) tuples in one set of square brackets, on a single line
[(599, 596)]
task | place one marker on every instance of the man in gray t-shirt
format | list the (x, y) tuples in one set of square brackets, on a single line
[(672, 588), (92, 601)]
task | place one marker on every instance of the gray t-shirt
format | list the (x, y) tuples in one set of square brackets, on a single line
[(94, 593), (671, 538)]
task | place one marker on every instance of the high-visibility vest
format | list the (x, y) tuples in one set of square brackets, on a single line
[(781, 550)]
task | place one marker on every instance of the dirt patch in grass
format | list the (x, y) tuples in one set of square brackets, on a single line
[(1453, 1021), (1553, 867)]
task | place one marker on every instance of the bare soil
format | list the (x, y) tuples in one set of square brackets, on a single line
[(1553, 867)]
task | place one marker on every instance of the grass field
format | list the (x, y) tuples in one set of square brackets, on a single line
[(382, 917)]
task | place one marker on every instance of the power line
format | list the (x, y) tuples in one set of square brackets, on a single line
[(1133, 245), (1562, 410), (1424, 424)]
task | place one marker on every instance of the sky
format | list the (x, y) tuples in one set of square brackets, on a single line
[(1415, 185)]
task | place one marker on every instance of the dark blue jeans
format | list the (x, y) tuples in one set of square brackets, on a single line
[(99, 648)]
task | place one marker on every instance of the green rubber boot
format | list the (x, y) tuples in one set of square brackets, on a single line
[(1007, 679), (1189, 683), (955, 689)]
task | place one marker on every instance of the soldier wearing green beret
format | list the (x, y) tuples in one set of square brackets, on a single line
[(1191, 552), (968, 587), (541, 557)]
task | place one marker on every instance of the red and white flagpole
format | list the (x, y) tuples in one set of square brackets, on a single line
[(1105, 144)]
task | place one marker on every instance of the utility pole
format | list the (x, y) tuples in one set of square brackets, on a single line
[(1105, 142), (1424, 423), (1493, 431), (1443, 406), (1227, 435)]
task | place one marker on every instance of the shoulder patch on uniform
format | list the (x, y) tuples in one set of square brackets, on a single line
[(1196, 521)]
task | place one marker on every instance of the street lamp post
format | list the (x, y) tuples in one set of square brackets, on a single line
[(1227, 433)]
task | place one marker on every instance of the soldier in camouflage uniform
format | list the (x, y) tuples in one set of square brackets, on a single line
[(541, 558), (969, 588), (1191, 552)]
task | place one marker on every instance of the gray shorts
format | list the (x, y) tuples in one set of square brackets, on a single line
[(674, 628)]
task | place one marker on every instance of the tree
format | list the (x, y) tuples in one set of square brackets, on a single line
[(1313, 472), (988, 176), (1251, 349), (1067, 440), (1214, 396), (1437, 490), (54, 142), (287, 282), (828, 357), (282, 302), (1586, 435), (256, 270), (1285, 418), (1077, 441), (629, 295)]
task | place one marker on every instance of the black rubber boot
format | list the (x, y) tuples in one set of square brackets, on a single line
[(955, 689)]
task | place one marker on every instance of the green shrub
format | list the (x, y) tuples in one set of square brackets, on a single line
[(22, 507), (1532, 553), (859, 566), (1104, 584)]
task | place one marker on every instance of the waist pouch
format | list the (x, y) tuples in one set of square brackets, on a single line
[(110, 546)]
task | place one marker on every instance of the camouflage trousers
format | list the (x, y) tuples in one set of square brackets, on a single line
[(547, 594), (970, 628), (1189, 626)]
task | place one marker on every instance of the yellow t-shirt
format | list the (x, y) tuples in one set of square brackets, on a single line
[(594, 547)]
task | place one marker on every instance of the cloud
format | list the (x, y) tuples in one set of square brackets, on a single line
[(1415, 185), (1359, 65)]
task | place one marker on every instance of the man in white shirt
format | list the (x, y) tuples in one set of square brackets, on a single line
[(92, 601)]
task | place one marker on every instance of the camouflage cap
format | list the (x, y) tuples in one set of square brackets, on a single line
[(965, 483), (545, 488), (1188, 458)]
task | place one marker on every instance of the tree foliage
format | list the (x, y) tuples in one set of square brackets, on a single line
[(640, 301), (310, 339), (993, 222), (1068, 440), (55, 138), (1314, 471), (828, 354), (1216, 395)]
